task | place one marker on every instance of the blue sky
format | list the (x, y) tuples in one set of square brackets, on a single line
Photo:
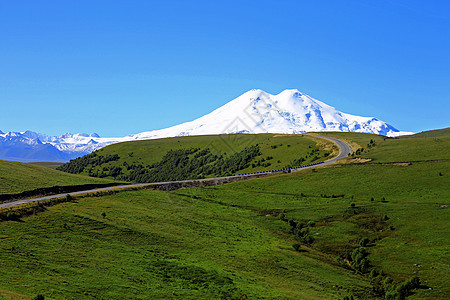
[(123, 67)]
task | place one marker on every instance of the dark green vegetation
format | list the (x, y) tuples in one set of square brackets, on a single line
[(198, 157), (19, 177), (371, 228)]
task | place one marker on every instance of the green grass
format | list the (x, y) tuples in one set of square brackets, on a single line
[(429, 145), (430, 133), (226, 241), (410, 149), (416, 203), (157, 245), (19, 177)]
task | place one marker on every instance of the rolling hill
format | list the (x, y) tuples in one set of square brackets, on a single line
[(18, 177), (372, 227), (200, 156)]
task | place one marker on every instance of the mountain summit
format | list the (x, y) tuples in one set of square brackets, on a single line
[(255, 111), (287, 112)]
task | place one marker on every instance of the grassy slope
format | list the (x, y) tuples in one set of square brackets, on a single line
[(288, 148), (19, 177), (431, 133), (156, 244), (416, 196), (51, 165), (410, 149)]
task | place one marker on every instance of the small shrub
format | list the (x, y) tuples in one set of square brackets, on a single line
[(69, 197), (292, 223), (297, 246), (388, 280), (373, 273), (300, 226), (302, 233), (364, 242), (39, 297), (11, 215), (353, 205), (311, 224), (282, 217), (103, 214), (308, 239)]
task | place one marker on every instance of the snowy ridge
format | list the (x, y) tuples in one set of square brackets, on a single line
[(30, 146), (289, 112)]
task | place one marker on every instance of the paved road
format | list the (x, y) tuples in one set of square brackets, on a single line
[(344, 152), (344, 148)]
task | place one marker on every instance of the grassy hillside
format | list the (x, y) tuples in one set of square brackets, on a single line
[(52, 165), (19, 177), (358, 229), (200, 156), (156, 245), (426, 146), (431, 133)]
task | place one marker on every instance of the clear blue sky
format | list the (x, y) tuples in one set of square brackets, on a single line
[(123, 67)]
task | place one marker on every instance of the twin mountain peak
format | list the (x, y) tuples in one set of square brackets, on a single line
[(256, 111)]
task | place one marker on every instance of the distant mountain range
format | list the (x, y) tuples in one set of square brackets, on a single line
[(289, 112)]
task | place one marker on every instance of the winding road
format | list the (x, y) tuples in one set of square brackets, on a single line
[(344, 148)]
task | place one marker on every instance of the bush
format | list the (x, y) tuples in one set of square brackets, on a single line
[(364, 242), (297, 246), (388, 280), (292, 223), (311, 224), (69, 197), (373, 273), (303, 232), (308, 239), (11, 215), (282, 217), (359, 260), (39, 297)]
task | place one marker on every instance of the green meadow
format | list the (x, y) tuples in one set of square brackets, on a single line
[(18, 177), (360, 229)]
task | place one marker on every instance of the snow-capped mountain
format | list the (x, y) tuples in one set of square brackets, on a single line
[(30, 146), (255, 111), (288, 112)]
